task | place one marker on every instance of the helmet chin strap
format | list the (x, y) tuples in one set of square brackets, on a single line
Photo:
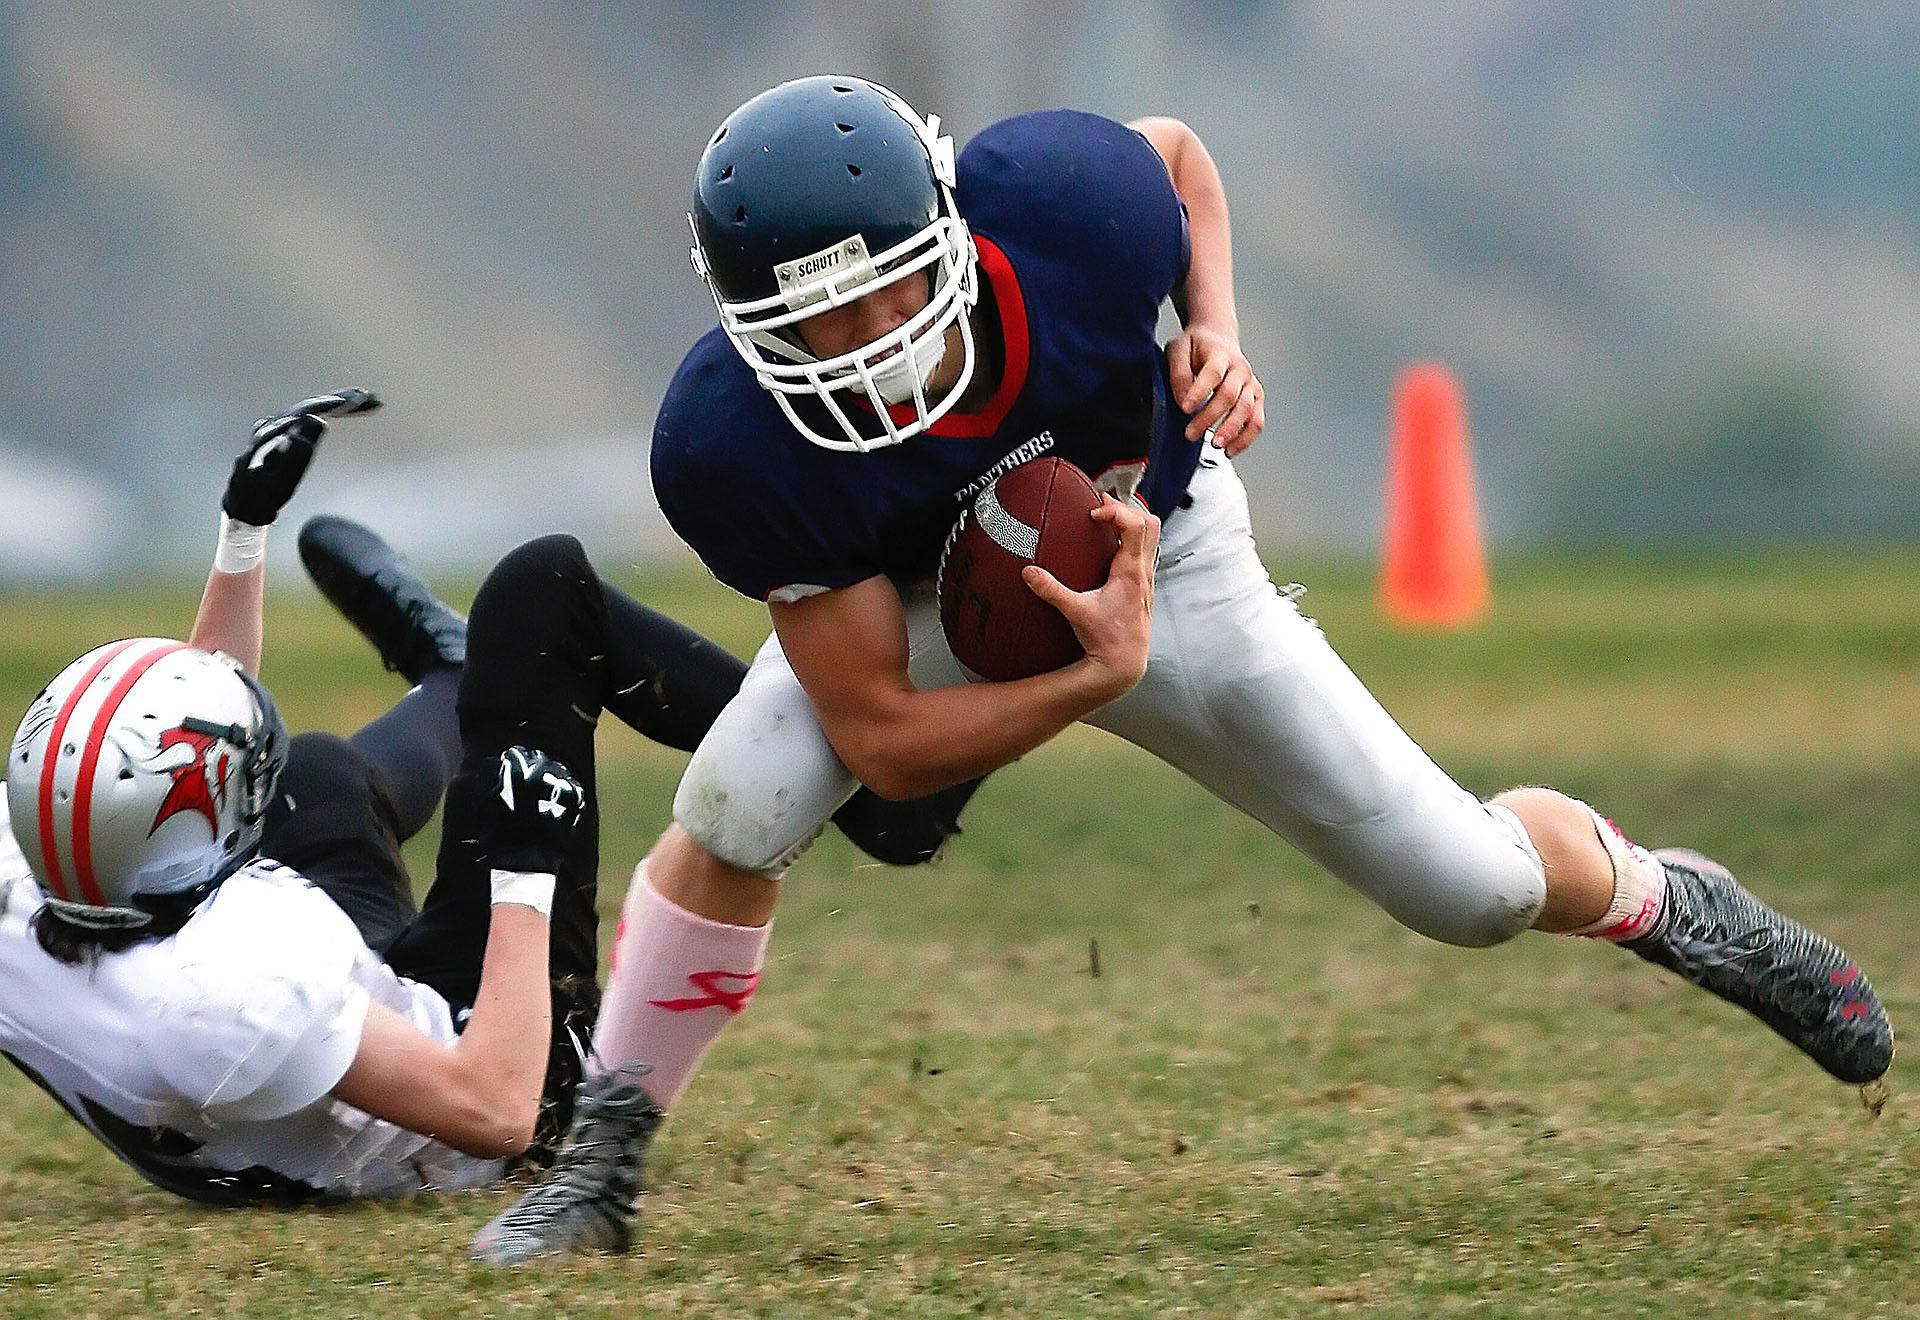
[(895, 380)]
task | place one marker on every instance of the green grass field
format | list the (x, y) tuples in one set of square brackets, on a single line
[(1271, 1100)]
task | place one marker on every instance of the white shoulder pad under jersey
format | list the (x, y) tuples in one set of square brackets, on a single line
[(255, 1009)]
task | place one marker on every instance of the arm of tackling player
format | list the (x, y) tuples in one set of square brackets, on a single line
[(264, 478), (481, 1094), (849, 650)]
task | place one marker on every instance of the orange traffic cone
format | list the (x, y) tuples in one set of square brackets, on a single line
[(1436, 565)]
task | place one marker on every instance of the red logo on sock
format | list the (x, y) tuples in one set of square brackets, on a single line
[(714, 994), (1634, 924)]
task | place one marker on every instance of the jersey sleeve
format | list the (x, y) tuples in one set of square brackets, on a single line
[(1088, 192), (736, 488), (750, 541), (264, 1014)]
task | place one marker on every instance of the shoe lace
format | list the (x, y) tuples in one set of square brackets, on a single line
[(1719, 950), (1699, 927)]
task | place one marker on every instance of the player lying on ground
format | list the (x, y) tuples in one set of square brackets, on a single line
[(241, 1029), (895, 331)]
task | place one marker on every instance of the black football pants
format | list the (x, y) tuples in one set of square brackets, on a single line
[(549, 647), (537, 644)]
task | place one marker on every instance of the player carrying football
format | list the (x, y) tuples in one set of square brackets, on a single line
[(897, 328)]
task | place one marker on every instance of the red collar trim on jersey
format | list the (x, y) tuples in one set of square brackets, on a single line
[(998, 272)]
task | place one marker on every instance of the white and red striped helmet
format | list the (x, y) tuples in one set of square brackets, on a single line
[(140, 777)]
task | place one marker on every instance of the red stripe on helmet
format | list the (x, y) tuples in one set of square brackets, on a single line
[(90, 758), (48, 850)]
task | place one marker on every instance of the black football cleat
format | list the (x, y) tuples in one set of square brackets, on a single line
[(1720, 937), (588, 1200), (380, 594)]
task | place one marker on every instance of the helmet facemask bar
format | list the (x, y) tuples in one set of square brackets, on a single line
[(263, 754)]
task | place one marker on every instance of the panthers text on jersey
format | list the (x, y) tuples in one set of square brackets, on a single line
[(1081, 238), (205, 1060)]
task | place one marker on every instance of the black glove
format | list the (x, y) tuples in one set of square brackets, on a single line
[(540, 803), (266, 475)]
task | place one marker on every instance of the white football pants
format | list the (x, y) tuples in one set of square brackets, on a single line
[(1242, 694)]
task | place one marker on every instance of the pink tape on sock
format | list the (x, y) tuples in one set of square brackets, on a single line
[(679, 978)]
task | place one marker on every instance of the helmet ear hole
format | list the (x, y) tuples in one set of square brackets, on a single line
[(844, 128), (232, 840), (853, 169)]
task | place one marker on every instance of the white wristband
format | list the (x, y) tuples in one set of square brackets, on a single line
[(242, 546), (532, 889)]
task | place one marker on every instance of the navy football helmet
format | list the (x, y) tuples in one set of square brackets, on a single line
[(814, 194)]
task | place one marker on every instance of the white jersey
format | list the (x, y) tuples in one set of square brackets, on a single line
[(205, 1060)]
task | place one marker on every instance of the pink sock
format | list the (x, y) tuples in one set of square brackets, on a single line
[(1639, 887), (678, 978)]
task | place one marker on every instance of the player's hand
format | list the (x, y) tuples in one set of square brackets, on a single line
[(1213, 380), (269, 471), (538, 803), (1114, 622)]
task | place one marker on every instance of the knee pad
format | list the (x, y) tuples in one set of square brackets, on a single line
[(758, 832), (764, 781), (1522, 892), (1498, 892), (538, 621)]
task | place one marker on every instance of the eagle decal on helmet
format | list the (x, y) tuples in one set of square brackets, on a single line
[(89, 790), (195, 782)]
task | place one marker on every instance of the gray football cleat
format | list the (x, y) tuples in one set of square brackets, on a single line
[(1720, 937), (588, 1199), (381, 595)]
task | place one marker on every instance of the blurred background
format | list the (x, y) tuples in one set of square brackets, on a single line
[(1673, 251)]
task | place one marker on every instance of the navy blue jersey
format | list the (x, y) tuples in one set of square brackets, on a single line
[(1081, 237)]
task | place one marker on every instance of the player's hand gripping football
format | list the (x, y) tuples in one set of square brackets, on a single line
[(269, 471), (1114, 622), (1213, 380), (539, 805)]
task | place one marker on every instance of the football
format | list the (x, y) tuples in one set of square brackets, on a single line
[(1035, 513)]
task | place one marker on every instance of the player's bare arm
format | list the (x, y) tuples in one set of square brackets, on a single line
[(849, 649), (1211, 376), (481, 1094), (264, 478)]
